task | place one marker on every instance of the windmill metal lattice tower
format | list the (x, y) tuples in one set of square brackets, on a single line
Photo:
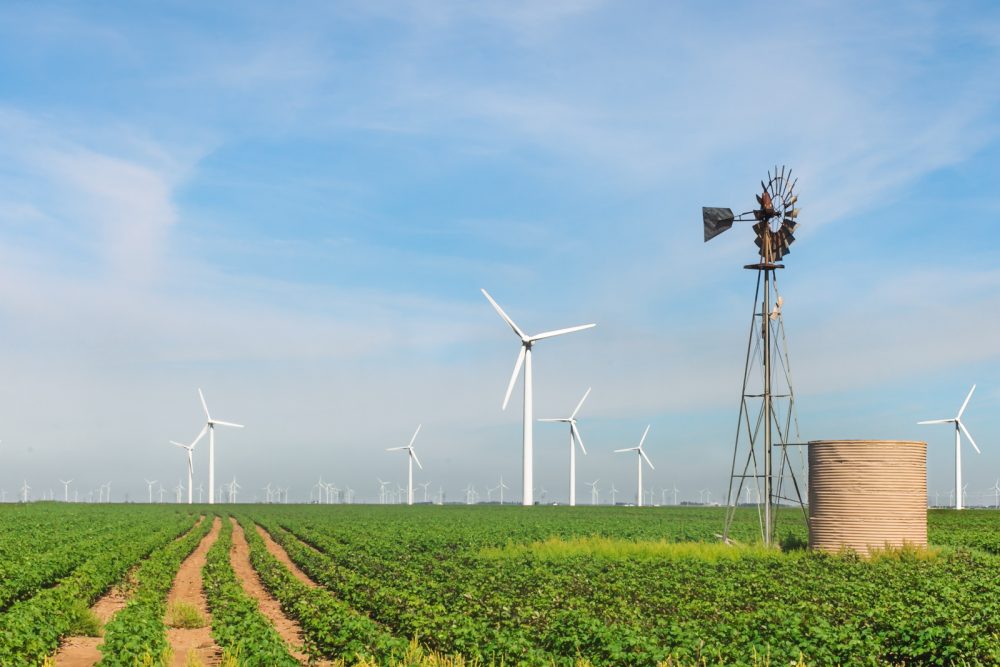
[(767, 404)]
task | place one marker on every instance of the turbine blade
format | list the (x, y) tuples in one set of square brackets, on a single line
[(204, 404), (643, 455), (962, 409), (969, 436), (228, 424), (562, 419), (416, 459), (502, 314), (644, 434), (393, 449), (627, 449), (415, 435), (513, 377), (580, 404), (560, 332), (576, 433), (201, 434), (937, 421)]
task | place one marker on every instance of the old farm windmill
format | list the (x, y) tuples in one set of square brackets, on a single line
[(767, 405)]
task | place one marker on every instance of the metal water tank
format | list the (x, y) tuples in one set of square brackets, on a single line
[(866, 494)]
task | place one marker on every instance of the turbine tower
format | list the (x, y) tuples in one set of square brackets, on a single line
[(524, 358), (210, 425), (65, 484), (642, 457), (767, 410), (959, 430), (574, 439), (412, 456)]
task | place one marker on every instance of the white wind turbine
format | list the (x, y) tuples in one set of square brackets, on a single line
[(595, 495), (502, 486), (190, 460), (574, 439), (149, 485), (959, 430), (65, 484), (233, 488), (24, 491), (412, 456), (614, 493), (210, 425), (524, 358), (642, 456)]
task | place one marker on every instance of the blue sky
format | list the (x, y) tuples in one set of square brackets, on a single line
[(295, 208)]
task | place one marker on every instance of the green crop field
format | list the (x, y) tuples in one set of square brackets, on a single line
[(502, 585)]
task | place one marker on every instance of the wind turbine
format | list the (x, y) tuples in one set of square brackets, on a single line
[(233, 488), (469, 492), (412, 457), (502, 486), (642, 456), (24, 491), (595, 495), (201, 490), (425, 485), (149, 485), (996, 492), (210, 425), (614, 492), (959, 430), (524, 358), (177, 490), (574, 434), (65, 489), (190, 457)]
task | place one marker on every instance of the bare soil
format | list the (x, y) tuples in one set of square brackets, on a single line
[(278, 552), (287, 628), (187, 588), (82, 651)]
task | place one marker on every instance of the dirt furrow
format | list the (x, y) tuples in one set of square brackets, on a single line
[(80, 651), (193, 642), (278, 552), (287, 628)]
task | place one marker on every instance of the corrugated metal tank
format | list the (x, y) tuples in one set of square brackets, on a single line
[(867, 494)]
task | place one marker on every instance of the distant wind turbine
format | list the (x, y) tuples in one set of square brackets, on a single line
[(574, 439), (614, 493), (149, 485), (210, 425), (190, 463), (959, 430), (595, 495), (412, 456), (524, 358), (642, 457), (24, 491), (65, 484)]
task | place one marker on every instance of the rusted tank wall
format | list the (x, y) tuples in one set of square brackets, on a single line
[(867, 494)]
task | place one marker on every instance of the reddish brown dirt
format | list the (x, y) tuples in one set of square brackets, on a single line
[(287, 628), (187, 588), (278, 552), (82, 651)]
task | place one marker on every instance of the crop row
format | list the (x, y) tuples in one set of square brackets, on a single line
[(30, 630), (237, 623), (137, 634), (331, 627), (622, 610)]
